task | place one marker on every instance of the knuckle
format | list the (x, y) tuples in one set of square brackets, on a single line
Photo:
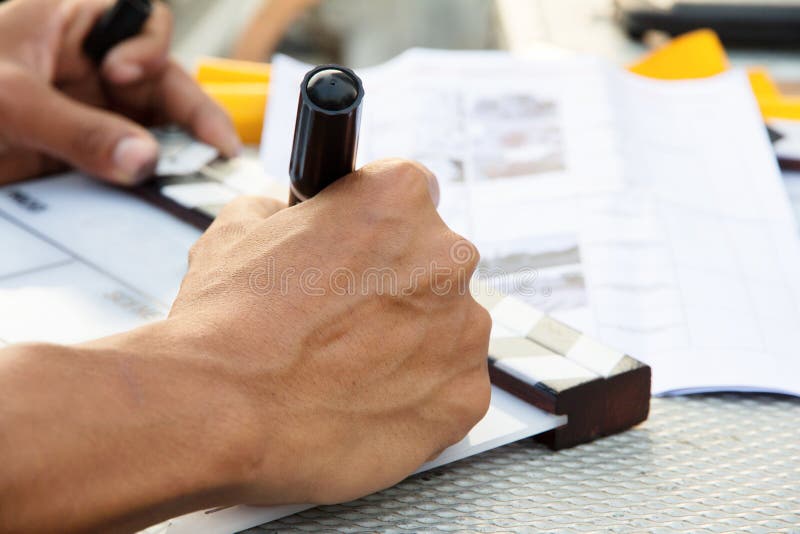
[(473, 406), (463, 252), (482, 324), (410, 167), (481, 398), (477, 328), (474, 327), (410, 179)]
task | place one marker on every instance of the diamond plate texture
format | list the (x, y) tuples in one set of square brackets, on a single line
[(721, 463)]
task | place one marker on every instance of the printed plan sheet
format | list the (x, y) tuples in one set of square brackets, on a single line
[(514, 145), (650, 214), (82, 260), (696, 265)]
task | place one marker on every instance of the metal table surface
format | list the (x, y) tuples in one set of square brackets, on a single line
[(714, 463)]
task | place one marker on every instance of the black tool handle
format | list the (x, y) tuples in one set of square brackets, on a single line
[(326, 130), (122, 20)]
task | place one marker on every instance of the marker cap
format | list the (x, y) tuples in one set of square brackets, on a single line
[(326, 130)]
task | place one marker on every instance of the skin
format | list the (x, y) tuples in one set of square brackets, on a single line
[(250, 391), (58, 108)]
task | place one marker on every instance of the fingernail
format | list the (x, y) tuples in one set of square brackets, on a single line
[(126, 72), (134, 159)]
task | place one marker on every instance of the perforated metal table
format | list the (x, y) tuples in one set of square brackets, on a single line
[(717, 463)]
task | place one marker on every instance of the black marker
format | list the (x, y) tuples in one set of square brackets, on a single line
[(122, 21), (326, 130)]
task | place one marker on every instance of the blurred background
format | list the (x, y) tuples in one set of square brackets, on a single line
[(353, 32), (365, 32)]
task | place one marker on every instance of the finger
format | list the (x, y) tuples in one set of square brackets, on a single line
[(248, 209), (181, 100), (98, 142), (393, 179), (143, 55), (78, 17), (18, 165)]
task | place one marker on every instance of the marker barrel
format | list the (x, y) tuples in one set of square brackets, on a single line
[(326, 130), (122, 21)]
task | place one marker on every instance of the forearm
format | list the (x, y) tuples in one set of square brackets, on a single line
[(104, 436)]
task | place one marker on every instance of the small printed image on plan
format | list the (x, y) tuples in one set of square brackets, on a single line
[(515, 135), (469, 139), (544, 272)]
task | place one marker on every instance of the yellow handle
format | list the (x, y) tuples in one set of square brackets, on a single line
[(700, 54)]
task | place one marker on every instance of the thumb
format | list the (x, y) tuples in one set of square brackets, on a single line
[(39, 117)]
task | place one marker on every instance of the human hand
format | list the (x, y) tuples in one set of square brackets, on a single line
[(57, 107), (285, 373), (349, 381)]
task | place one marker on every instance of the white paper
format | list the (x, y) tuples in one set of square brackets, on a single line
[(695, 267), (651, 215), (82, 260)]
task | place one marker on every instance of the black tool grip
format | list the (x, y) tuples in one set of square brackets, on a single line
[(326, 130), (122, 21)]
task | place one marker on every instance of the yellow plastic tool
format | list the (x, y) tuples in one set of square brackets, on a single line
[(245, 104), (241, 88), (220, 70), (773, 104), (697, 54), (700, 54), (762, 83)]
